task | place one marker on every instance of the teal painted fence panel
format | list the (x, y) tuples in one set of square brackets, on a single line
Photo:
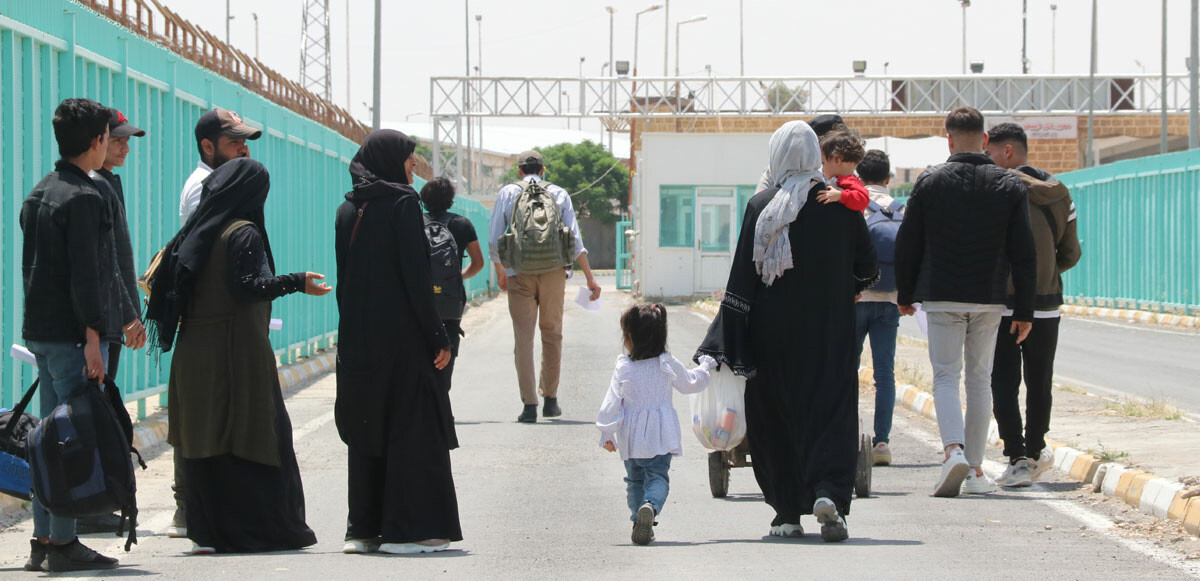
[(54, 49), (1139, 226)]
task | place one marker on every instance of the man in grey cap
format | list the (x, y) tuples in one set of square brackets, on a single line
[(220, 136), (537, 296)]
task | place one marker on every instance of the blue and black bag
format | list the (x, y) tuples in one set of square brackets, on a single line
[(15, 426), (81, 457), (884, 224)]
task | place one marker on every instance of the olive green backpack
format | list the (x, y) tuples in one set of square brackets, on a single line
[(536, 241)]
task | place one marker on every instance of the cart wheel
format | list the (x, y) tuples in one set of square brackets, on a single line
[(866, 459), (718, 474)]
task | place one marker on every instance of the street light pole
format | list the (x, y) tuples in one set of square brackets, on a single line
[(697, 18), (348, 101), (470, 161), (1194, 75), (254, 15), (228, 17), (479, 70), (1090, 155), (666, 37), (375, 95), (1054, 38), (568, 96), (1162, 94), (637, 21), (1024, 35), (612, 93), (965, 4)]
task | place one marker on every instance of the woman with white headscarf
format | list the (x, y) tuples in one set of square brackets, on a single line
[(787, 325)]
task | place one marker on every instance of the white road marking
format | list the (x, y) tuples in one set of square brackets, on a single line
[(312, 426), (1134, 327), (1094, 521)]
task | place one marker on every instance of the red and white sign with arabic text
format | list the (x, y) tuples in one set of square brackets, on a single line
[(1050, 127)]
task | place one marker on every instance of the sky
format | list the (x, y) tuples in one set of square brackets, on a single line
[(425, 38)]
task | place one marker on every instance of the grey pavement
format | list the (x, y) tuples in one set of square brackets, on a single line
[(1123, 359), (544, 501)]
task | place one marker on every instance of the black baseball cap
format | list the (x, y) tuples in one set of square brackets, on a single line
[(530, 157), (119, 126), (822, 124), (224, 122)]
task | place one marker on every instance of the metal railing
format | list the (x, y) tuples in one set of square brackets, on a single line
[(648, 97), (1139, 225), (54, 49)]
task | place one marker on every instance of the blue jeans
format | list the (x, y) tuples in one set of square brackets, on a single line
[(881, 321), (647, 480), (61, 370)]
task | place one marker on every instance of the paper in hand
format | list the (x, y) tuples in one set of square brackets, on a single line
[(584, 300), (922, 320)]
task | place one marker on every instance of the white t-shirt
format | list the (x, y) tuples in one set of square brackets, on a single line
[(192, 188)]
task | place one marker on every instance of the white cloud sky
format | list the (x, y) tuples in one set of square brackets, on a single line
[(783, 38)]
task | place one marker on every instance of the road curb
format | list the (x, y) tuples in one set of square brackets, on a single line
[(152, 432), (1134, 316)]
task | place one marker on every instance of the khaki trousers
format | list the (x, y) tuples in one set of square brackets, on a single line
[(536, 300)]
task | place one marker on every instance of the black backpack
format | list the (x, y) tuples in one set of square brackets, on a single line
[(884, 224), (15, 425), (445, 261), (80, 457)]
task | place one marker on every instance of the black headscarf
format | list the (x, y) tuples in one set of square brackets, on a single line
[(235, 191), (382, 157)]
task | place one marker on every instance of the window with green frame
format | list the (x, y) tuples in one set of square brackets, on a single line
[(744, 194), (676, 218)]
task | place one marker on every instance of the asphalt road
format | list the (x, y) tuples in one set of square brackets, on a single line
[(543, 501), (1123, 359)]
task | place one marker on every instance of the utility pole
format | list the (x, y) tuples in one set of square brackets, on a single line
[(1054, 38), (467, 95), (479, 70), (375, 120), (965, 5), (348, 101), (1194, 75), (612, 72), (1090, 155), (228, 17), (316, 68), (1162, 94), (1024, 34), (254, 15), (666, 37)]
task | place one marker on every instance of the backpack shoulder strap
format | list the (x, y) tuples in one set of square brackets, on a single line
[(874, 206), (896, 207), (18, 411)]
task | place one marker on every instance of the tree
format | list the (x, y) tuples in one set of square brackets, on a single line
[(781, 98), (574, 167)]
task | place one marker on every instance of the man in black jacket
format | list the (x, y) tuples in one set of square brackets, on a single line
[(120, 130), (966, 227), (68, 274)]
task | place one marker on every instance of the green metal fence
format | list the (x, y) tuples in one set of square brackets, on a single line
[(54, 49), (1139, 225)]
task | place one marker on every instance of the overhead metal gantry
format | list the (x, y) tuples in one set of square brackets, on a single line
[(616, 101)]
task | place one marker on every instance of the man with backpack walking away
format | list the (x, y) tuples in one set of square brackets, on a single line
[(876, 314), (451, 236), (534, 240), (1052, 215), (69, 277)]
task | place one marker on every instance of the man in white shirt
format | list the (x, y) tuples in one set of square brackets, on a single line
[(220, 137), (537, 296)]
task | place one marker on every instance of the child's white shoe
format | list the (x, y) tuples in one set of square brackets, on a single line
[(643, 525)]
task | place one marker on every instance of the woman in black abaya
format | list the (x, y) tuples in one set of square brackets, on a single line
[(787, 324), (392, 411), (211, 301)]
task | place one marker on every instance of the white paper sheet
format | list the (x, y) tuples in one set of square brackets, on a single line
[(583, 298), (922, 320), (20, 353), (276, 324)]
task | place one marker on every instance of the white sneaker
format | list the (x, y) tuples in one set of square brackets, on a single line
[(176, 532), (360, 546), (833, 525), (1016, 475), (979, 484), (1044, 463), (198, 550), (787, 531), (883, 454), (411, 548), (954, 470)]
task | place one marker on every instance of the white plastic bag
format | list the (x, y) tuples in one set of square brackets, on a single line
[(719, 412)]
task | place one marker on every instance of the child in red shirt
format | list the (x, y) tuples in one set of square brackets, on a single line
[(841, 151)]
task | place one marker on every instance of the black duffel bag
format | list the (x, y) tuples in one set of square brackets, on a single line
[(15, 425)]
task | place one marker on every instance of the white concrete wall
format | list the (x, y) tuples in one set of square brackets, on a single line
[(685, 159)]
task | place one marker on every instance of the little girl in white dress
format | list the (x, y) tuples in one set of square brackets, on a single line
[(637, 418)]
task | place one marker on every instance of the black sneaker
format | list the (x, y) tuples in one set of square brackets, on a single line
[(74, 556), (37, 556), (643, 525), (529, 415), (550, 409), (105, 523)]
